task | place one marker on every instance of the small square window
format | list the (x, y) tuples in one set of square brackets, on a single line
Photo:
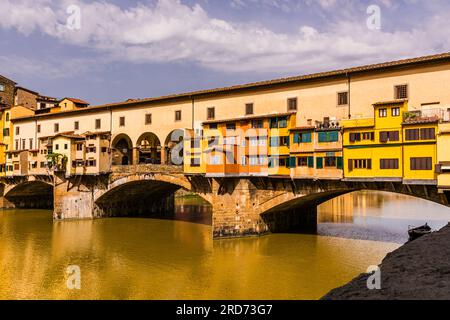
[(292, 104), (249, 109), (342, 98), (148, 118), (401, 91), (395, 112), (211, 113), (178, 115)]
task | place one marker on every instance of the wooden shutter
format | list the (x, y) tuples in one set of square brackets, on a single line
[(350, 165)]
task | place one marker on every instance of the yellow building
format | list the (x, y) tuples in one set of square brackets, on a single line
[(280, 161), (394, 145), (443, 156)]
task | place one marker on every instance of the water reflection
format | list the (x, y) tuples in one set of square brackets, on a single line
[(135, 258), (379, 216), (161, 259)]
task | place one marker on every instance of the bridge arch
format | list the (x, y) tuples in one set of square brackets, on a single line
[(140, 195), (290, 212), (149, 148), (122, 147), (30, 194)]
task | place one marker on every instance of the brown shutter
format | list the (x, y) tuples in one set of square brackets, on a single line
[(350, 165), (369, 163), (383, 136), (352, 137)]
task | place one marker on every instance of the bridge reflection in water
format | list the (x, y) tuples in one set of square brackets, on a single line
[(134, 258)]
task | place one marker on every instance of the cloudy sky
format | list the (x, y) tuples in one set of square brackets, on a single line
[(111, 50)]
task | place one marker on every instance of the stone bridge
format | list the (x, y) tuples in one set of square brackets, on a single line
[(240, 206)]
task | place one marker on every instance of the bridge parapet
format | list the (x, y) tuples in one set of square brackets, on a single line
[(147, 168)]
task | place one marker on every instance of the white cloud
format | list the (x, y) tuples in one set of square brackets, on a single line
[(170, 31)]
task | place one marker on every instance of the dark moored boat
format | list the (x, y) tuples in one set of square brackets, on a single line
[(418, 232)]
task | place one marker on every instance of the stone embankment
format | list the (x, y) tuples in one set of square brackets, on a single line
[(418, 270)]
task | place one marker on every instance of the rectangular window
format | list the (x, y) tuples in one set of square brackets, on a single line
[(17, 130), (355, 137), (411, 134), (427, 133), (389, 164), (292, 104), (423, 163), (66, 146), (178, 115), (382, 113), (122, 121), (24, 144), (31, 143), (302, 161), (284, 141), (231, 126), (17, 144), (395, 112), (342, 98), (331, 136), (56, 146), (386, 136), (56, 127), (148, 118), (211, 113), (282, 122), (249, 109), (303, 137), (39, 128), (368, 136), (2, 87), (401, 91), (257, 124), (76, 125), (311, 162), (79, 147), (330, 162), (98, 123), (244, 160), (359, 164)]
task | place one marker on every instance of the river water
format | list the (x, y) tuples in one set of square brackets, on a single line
[(127, 258)]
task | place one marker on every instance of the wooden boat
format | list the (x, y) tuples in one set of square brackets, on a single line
[(415, 233)]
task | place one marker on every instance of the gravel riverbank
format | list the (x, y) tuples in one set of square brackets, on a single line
[(417, 270)]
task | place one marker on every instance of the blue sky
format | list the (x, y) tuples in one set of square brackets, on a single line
[(136, 49)]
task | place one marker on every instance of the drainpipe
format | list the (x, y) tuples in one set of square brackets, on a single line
[(349, 94), (193, 111)]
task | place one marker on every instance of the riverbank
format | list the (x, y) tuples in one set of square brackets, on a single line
[(417, 270)]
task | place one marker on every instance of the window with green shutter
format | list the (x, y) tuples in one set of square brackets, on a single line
[(296, 137), (339, 163), (307, 137), (310, 162), (319, 163), (322, 137), (292, 162)]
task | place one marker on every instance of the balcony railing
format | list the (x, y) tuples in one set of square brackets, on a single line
[(427, 115)]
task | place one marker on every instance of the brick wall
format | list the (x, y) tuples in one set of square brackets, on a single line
[(7, 96)]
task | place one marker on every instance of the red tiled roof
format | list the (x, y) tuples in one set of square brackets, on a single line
[(74, 100), (444, 57)]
